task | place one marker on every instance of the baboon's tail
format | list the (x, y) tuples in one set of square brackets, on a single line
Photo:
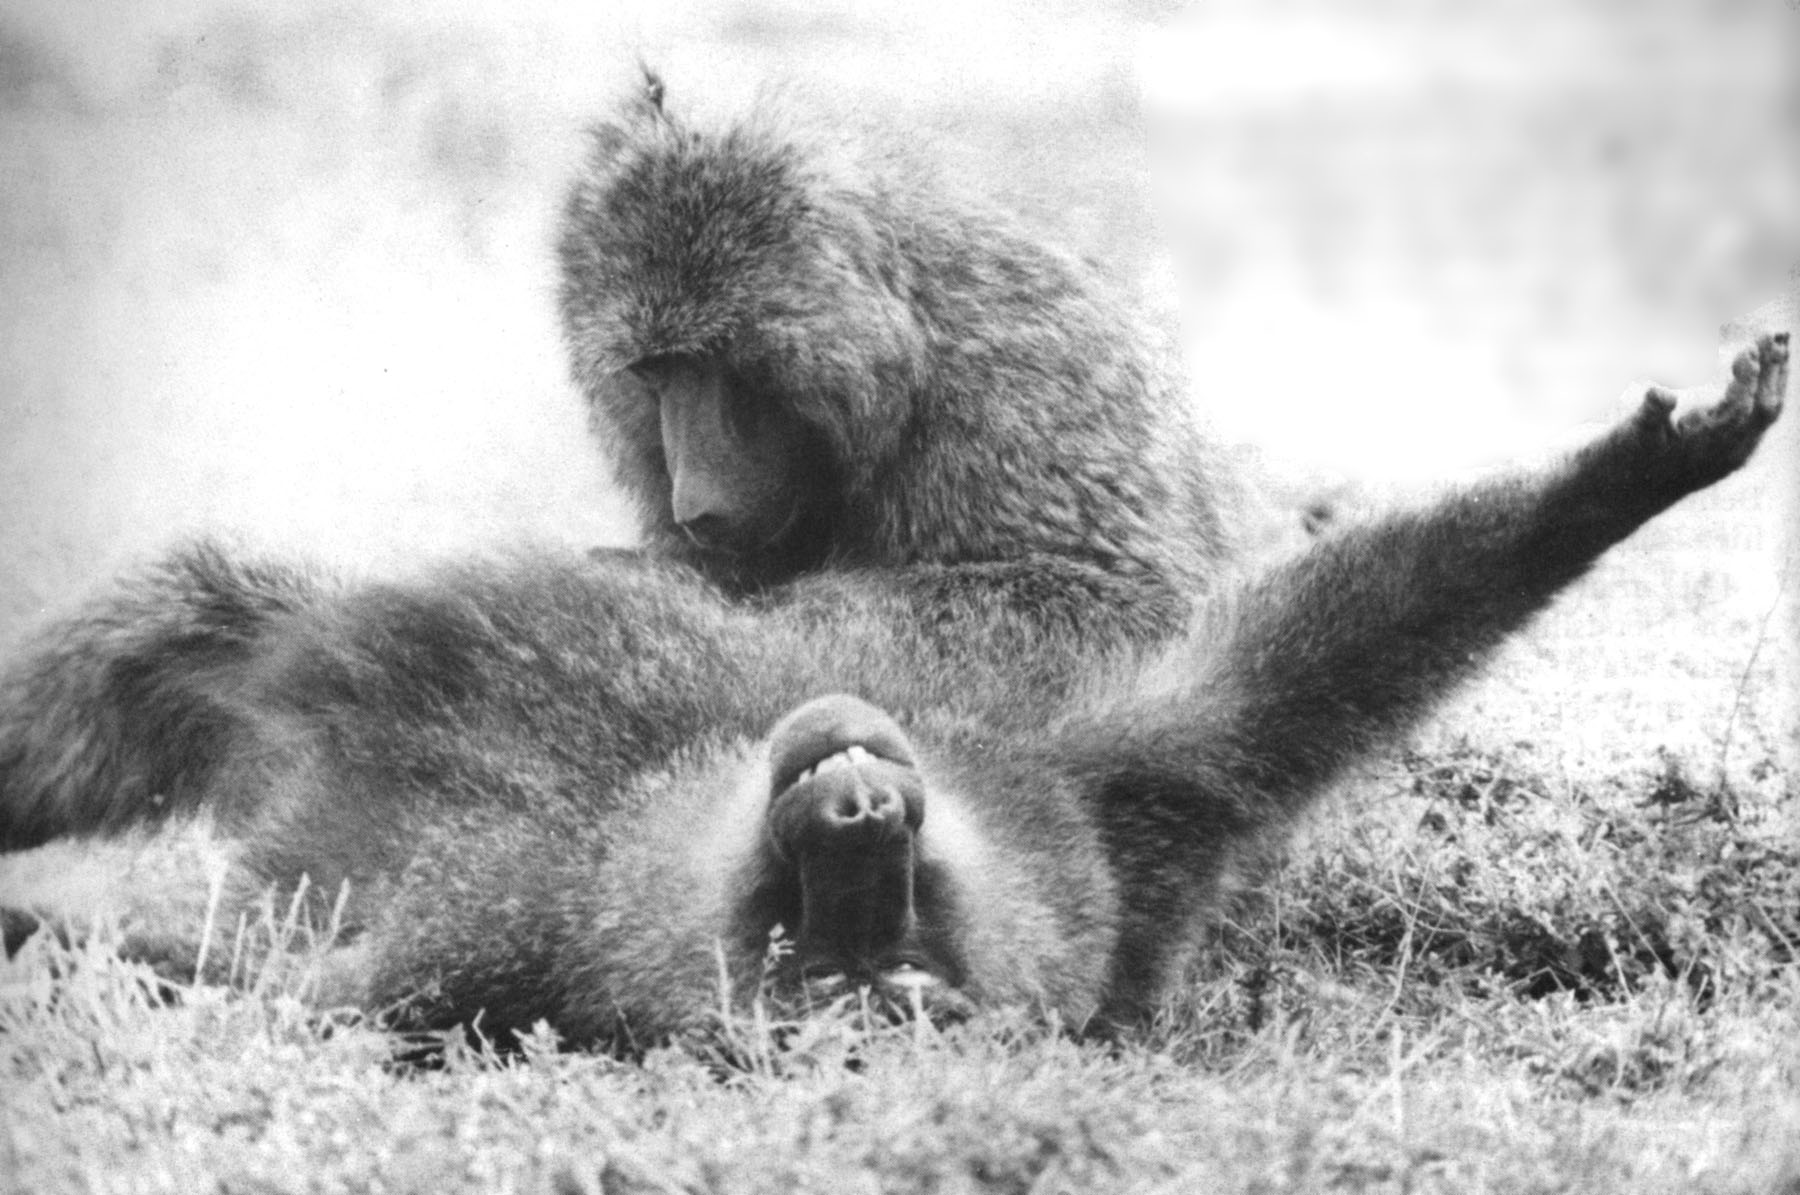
[(122, 715)]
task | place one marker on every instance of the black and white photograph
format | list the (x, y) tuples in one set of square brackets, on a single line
[(1102, 596)]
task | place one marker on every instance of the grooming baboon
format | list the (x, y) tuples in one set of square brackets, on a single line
[(802, 354), (433, 745)]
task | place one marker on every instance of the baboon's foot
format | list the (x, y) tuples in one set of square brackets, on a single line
[(846, 804), (1679, 456)]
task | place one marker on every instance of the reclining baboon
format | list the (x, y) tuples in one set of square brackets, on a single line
[(434, 745)]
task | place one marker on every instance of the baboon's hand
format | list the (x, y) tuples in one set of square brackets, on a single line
[(1679, 456)]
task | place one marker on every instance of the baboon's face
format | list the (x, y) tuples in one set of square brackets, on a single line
[(736, 455), (847, 801)]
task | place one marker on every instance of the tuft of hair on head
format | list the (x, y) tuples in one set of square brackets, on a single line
[(654, 88)]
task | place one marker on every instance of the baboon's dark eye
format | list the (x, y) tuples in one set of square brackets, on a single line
[(749, 408), (755, 403)]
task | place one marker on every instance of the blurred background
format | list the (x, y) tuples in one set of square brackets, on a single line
[(285, 271)]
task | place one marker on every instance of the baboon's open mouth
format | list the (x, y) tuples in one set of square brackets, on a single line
[(901, 991), (813, 746)]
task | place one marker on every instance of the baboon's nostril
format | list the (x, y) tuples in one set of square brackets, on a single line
[(866, 803), (851, 807)]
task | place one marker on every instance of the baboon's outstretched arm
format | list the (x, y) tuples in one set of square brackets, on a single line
[(1309, 664), (1333, 651)]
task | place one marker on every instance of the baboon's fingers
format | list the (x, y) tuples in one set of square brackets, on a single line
[(1659, 402), (1753, 397), (1678, 455), (1772, 385)]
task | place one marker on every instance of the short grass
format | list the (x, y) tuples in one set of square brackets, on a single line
[(1550, 945), (1388, 1033)]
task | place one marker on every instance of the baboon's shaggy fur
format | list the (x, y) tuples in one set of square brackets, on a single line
[(566, 788)]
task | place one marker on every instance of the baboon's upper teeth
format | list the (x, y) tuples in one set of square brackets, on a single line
[(848, 757)]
